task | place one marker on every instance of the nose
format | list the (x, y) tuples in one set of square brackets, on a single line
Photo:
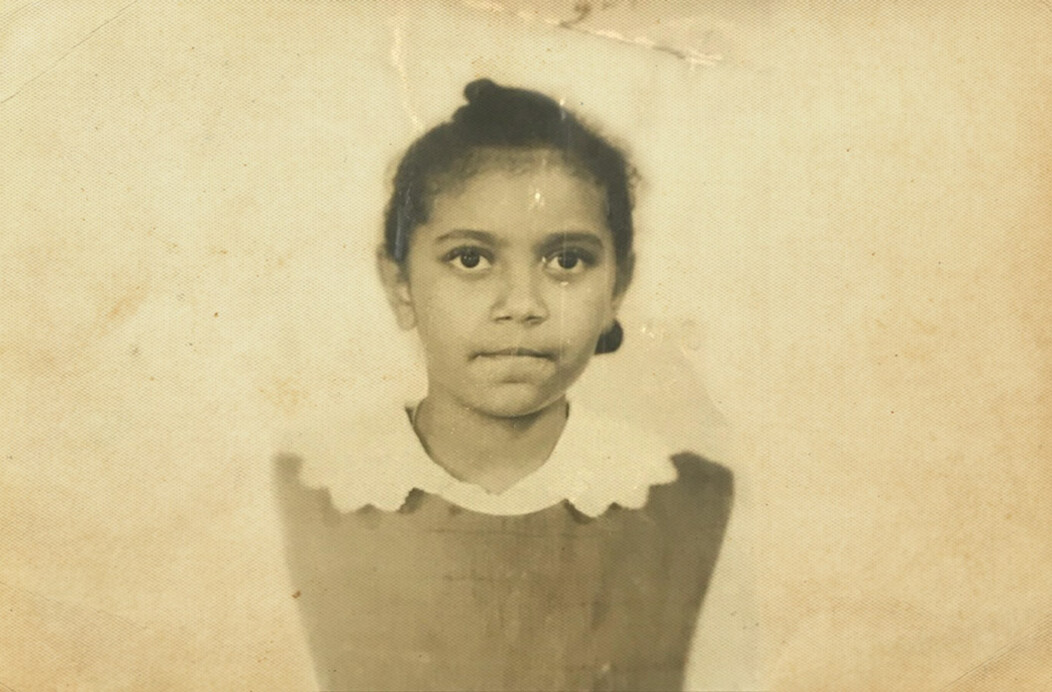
[(520, 298)]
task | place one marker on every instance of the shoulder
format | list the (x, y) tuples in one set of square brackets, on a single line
[(286, 467), (698, 474), (298, 502), (357, 458), (703, 493)]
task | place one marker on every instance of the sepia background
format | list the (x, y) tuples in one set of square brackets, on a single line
[(845, 221)]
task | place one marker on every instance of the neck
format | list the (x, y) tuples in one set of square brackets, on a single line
[(488, 451)]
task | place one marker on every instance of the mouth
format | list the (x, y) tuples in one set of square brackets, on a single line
[(516, 353)]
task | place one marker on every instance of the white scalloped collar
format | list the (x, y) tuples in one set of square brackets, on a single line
[(378, 460)]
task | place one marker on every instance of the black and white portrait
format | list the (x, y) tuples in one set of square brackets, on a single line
[(496, 534)]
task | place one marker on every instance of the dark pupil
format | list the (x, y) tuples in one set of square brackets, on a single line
[(469, 258), (567, 261)]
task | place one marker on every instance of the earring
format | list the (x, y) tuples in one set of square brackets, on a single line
[(610, 340)]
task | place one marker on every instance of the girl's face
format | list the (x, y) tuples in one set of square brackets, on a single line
[(510, 283)]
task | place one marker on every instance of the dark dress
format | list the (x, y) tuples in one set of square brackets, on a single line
[(437, 597)]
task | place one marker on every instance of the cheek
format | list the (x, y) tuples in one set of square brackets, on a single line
[(583, 317), (452, 301), (446, 311)]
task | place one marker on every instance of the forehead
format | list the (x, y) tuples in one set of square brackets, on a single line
[(515, 189)]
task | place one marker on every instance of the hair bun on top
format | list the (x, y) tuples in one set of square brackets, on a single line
[(495, 113), (480, 89)]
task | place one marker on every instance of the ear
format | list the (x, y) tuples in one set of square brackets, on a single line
[(396, 286)]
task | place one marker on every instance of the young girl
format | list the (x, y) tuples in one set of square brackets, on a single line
[(495, 536)]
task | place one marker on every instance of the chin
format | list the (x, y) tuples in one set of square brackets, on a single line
[(513, 400)]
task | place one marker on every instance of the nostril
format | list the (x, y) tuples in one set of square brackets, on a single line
[(521, 300)]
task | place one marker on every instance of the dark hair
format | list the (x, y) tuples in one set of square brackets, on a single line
[(498, 117)]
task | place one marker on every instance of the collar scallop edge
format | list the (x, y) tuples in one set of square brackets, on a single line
[(598, 462)]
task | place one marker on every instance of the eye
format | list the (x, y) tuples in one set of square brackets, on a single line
[(568, 262), (468, 258)]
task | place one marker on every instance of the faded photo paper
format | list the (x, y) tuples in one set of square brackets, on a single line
[(525, 345)]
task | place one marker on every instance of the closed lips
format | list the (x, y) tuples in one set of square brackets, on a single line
[(515, 352)]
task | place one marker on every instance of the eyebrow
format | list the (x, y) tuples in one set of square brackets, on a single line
[(552, 240), (468, 234), (569, 237)]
